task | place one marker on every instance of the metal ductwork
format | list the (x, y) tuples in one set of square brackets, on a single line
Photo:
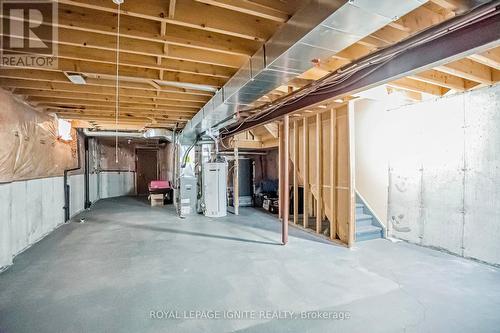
[(318, 30), (159, 133), (150, 133)]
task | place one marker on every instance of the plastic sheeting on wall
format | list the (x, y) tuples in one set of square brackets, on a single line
[(444, 187), (29, 145)]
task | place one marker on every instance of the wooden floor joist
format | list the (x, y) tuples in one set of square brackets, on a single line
[(205, 42)]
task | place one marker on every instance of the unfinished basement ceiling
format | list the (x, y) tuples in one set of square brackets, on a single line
[(175, 55)]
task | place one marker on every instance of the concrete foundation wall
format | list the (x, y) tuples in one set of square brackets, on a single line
[(115, 184), (441, 183), (31, 209)]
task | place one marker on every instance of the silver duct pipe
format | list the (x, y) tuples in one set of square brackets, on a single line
[(159, 133), (150, 133), (317, 31), (112, 134)]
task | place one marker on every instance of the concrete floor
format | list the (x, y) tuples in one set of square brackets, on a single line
[(129, 259)]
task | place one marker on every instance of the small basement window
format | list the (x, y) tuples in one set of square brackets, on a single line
[(64, 129)]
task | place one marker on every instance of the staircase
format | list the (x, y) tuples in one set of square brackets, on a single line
[(366, 226)]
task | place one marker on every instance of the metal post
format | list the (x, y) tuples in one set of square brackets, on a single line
[(286, 182), (236, 185)]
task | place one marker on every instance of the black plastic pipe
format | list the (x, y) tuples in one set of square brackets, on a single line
[(477, 29), (87, 174)]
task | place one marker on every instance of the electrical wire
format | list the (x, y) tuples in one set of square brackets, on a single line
[(333, 82), (117, 91)]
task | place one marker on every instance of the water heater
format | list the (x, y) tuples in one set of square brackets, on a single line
[(214, 189)]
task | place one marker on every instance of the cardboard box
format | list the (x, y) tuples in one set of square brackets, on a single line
[(156, 199)]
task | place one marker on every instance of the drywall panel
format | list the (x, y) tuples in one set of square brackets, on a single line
[(482, 181), (372, 138)]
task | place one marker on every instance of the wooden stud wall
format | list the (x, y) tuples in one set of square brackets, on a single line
[(321, 142)]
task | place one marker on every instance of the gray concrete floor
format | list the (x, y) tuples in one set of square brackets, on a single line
[(129, 259)]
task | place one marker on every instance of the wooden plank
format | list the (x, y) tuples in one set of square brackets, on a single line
[(440, 79), (445, 4), (468, 69), (129, 72), (352, 173), (80, 100), (89, 54), (319, 173), (171, 9), (418, 86), (272, 128), (295, 172), (188, 14), (286, 170), (305, 171), (82, 19), (91, 96), (97, 41), (489, 58), (333, 172), (250, 8), (26, 78)]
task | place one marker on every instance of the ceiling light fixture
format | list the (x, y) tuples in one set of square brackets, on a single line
[(76, 78)]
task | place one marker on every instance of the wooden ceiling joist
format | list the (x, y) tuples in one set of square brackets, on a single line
[(86, 20), (108, 110), (441, 79), (99, 81), (470, 70), (489, 58), (61, 98), (251, 8), (133, 72), (42, 101), (142, 61), (62, 95), (34, 88), (190, 14), (174, 54)]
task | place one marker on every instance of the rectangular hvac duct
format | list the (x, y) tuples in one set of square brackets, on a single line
[(318, 30)]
